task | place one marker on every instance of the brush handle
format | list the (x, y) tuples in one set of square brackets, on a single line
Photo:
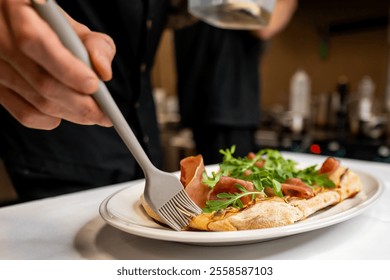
[(51, 13)]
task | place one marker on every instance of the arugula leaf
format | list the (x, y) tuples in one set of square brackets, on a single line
[(275, 171), (228, 199), (276, 167)]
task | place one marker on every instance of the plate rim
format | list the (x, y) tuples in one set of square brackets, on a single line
[(235, 237)]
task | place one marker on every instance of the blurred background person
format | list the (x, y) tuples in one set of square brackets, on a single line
[(219, 82)]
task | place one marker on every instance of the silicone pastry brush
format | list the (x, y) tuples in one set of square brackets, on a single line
[(163, 191)]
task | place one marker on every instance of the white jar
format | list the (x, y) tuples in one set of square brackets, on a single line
[(300, 91)]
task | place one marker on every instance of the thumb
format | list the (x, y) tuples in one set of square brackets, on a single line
[(102, 50)]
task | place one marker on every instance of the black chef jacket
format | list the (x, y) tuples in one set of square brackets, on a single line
[(93, 155), (218, 76)]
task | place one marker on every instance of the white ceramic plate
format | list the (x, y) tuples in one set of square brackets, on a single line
[(124, 211)]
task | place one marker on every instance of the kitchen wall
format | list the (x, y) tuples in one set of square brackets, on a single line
[(164, 71), (356, 46)]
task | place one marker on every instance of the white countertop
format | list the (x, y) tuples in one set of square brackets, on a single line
[(70, 227)]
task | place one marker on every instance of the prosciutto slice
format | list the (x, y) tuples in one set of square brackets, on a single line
[(229, 185), (296, 187), (329, 166), (191, 172), (192, 168)]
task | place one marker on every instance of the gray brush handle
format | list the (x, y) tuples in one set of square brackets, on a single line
[(51, 13)]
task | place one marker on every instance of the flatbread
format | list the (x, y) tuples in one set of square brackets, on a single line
[(274, 211)]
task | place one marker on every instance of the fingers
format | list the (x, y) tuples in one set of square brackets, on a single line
[(40, 43), (101, 50), (53, 99), (42, 77), (25, 113), (100, 46)]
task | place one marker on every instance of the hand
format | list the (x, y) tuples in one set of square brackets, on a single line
[(281, 16), (41, 82)]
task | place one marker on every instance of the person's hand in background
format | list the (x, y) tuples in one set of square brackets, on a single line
[(281, 15), (41, 82)]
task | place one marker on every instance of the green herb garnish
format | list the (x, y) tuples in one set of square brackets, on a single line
[(275, 171), (228, 199)]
